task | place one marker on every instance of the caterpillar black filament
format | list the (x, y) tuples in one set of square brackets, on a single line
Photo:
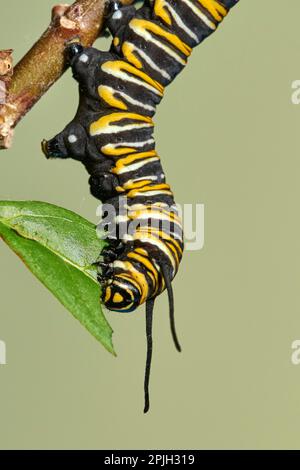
[(112, 135)]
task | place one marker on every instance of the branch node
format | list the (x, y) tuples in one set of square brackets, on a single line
[(67, 24), (6, 132), (6, 64), (59, 10)]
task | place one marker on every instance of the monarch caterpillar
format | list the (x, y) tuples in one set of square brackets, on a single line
[(112, 135)]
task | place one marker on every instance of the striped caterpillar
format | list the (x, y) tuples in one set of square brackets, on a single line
[(112, 135)]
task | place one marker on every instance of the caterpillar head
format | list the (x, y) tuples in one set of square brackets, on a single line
[(121, 295)]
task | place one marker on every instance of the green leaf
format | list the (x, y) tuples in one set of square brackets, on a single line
[(59, 247)]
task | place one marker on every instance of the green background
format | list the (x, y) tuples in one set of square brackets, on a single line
[(227, 132)]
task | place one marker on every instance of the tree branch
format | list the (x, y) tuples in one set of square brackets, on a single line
[(44, 63)]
